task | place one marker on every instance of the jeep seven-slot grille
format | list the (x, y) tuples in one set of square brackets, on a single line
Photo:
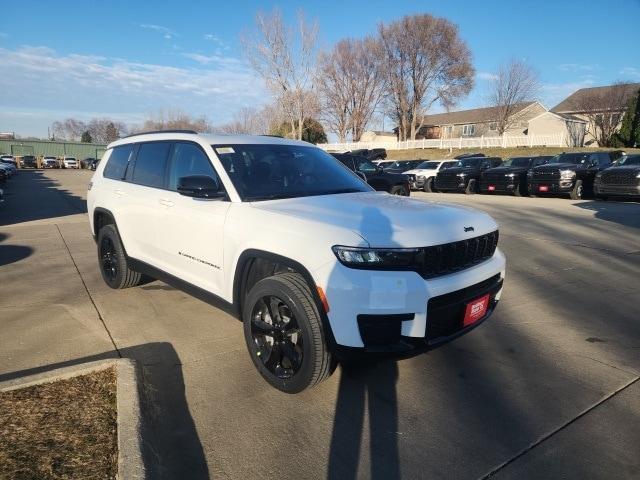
[(453, 257), (619, 178)]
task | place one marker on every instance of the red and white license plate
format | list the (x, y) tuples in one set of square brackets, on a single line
[(543, 188), (492, 188), (476, 310)]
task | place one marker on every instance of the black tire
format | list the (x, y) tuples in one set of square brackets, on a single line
[(112, 261), (399, 190), (428, 185), (577, 192), (298, 362), (517, 192), (471, 187)]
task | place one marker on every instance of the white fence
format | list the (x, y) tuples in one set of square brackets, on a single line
[(504, 141)]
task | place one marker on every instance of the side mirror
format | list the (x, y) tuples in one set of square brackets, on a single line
[(199, 186)]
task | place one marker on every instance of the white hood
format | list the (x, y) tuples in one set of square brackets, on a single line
[(385, 220)]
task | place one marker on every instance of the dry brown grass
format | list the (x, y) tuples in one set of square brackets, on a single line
[(436, 154), (60, 430)]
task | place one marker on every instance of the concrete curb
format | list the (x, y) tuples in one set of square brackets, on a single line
[(130, 462)]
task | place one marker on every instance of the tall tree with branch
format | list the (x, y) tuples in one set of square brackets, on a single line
[(351, 83), (515, 82), (285, 57), (425, 61)]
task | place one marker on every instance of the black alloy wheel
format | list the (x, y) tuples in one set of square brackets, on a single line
[(277, 337), (108, 258)]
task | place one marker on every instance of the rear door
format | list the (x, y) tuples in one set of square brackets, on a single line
[(141, 210), (191, 238)]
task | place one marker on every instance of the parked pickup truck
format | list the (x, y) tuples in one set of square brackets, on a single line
[(394, 183), (621, 180), (511, 176), (571, 173), (423, 176), (465, 177)]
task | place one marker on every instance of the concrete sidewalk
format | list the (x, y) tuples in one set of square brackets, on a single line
[(547, 388)]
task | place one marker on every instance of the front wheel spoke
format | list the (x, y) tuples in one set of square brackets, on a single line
[(289, 351), (262, 328), (275, 357), (274, 309), (291, 331)]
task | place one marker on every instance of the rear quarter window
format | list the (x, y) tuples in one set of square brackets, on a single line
[(116, 166)]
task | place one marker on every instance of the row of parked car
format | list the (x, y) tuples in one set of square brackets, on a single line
[(48, 161), (8, 168), (573, 174)]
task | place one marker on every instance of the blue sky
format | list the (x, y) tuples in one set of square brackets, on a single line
[(128, 59)]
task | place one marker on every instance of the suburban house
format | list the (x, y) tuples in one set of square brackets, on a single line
[(597, 103), (478, 122), (571, 128), (378, 136)]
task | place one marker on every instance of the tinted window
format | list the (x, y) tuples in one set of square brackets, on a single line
[(540, 161), (150, 164), (604, 159), (270, 171), (517, 162), (367, 167), (631, 160), (188, 159), (575, 158), (118, 161)]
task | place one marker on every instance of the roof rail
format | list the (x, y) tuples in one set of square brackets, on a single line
[(161, 131)]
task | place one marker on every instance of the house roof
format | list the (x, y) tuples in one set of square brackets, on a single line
[(576, 101), (564, 116), (476, 115)]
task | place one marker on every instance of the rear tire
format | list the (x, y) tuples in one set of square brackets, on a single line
[(577, 192), (471, 187), (284, 333), (428, 185), (112, 261), (517, 192)]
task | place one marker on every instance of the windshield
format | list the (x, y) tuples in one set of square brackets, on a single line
[(267, 172), (517, 162), (575, 158), (632, 160), (469, 162), (367, 167), (428, 165), (398, 164)]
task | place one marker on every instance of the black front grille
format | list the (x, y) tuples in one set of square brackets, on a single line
[(619, 178), (447, 180), (445, 313), (496, 179), (545, 174), (453, 257)]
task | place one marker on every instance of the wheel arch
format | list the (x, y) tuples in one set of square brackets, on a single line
[(241, 279)]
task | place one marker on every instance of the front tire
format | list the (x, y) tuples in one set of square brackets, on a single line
[(471, 187), (577, 192), (113, 263), (284, 333), (399, 190), (428, 185)]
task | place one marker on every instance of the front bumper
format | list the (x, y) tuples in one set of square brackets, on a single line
[(614, 190), (555, 186), (499, 186), (362, 301)]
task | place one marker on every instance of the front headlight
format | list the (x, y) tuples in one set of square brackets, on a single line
[(510, 175), (377, 258), (462, 175), (567, 174), (598, 175)]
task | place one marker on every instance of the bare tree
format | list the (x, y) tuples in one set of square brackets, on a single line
[(246, 120), (105, 130), (175, 120), (68, 129), (425, 62), (603, 108), (351, 82), (285, 58), (515, 82)]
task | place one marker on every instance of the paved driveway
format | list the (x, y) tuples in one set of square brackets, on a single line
[(547, 388)]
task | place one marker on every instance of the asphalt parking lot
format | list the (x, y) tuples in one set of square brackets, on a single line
[(547, 388)]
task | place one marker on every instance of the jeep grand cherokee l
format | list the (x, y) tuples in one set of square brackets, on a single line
[(622, 180), (316, 264), (568, 174), (510, 176)]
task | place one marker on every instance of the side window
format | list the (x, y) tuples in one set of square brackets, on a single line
[(605, 159), (367, 167), (117, 163), (150, 164), (188, 159)]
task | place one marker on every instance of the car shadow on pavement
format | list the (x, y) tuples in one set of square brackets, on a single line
[(171, 445), (12, 253), (31, 195), (369, 388), (623, 213)]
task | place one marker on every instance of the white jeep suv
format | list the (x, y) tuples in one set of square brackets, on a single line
[(317, 265)]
